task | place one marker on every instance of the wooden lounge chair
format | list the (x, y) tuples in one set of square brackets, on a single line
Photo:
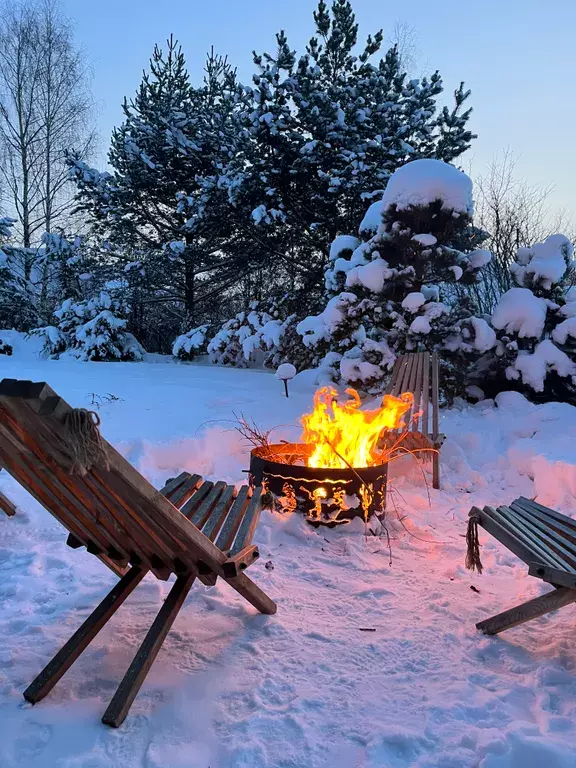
[(544, 539), (194, 529), (417, 372)]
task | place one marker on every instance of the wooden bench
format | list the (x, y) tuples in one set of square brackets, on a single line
[(195, 529), (544, 539), (417, 372)]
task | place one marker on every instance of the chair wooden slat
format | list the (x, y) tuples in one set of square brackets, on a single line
[(533, 537), (233, 520), (550, 534), (203, 510), (248, 525), (217, 516), (191, 505), (426, 395)]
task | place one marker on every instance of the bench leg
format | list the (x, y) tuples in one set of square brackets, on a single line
[(436, 469), (136, 674), (532, 609), (80, 640)]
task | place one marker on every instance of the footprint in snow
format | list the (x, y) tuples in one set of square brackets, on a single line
[(32, 743)]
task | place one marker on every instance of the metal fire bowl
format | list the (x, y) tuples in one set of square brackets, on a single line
[(279, 464)]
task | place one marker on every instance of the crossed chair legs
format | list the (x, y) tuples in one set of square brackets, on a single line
[(134, 677)]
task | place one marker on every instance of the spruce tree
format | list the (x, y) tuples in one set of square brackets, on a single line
[(404, 288)]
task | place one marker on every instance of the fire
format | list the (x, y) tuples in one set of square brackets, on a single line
[(343, 434)]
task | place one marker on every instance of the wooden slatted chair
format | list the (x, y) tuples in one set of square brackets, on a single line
[(544, 539), (194, 529), (417, 372)]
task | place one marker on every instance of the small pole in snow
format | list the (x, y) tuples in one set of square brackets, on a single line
[(285, 372)]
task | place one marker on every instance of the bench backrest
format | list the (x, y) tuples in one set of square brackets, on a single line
[(115, 512), (417, 372)]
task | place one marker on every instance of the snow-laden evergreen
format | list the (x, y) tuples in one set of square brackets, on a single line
[(92, 329), (536, 324), (405, 288)]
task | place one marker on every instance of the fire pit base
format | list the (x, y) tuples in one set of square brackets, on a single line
[(325, 496)]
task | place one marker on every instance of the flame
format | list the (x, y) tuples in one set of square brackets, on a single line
[(343, 434)]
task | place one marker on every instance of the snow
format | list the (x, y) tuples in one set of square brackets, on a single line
[(413, 301), (479, 258), (286, 371), (533, 367), (422, 182), (519, 311), (315, 328), (484, 335), (545, 263), (565, 329), (372, 275), (372, 219), (304, 688), (420, 324), (428, 240), (343, 243)]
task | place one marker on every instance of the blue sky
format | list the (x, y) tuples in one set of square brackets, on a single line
[(517, 56)]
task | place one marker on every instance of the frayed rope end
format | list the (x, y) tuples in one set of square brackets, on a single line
[(473, 562), (85, 442)]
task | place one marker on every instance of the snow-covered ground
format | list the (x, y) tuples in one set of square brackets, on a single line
[(306, 688)]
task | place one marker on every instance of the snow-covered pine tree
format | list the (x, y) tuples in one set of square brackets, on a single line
[(536, 325), (404, 288), (329, 128)]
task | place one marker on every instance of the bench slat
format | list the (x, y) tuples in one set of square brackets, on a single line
[(564, 519), (435, 397), (418, 391), (506, 537), (219, 513)]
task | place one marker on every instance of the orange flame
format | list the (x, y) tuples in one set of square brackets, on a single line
[(344, 435)]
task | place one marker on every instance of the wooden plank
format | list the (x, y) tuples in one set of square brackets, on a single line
[(219, 513), (394, 376), (120, 705), (402, 365), (532, 609), (185, 491), (552, 575), (564, 519), (504, 536), (83, 636), (252, 592), (240, 561), (174, 483), (203, 510), (435, 397), (192, 504), (567, 535), (233, 520), (426, 396), (418, 392), (554, 540), (7, 506), (533, 540), (248, 525)]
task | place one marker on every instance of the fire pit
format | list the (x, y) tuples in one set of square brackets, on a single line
[(340, 468)]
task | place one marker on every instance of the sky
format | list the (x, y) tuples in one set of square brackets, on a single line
[(517, 56)]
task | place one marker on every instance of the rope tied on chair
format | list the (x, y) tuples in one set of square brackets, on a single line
[(473, 562), (85, 442)]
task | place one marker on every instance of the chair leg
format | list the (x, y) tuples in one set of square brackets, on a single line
[(252, 592), (136, 674), (532, 609), (80, 640)]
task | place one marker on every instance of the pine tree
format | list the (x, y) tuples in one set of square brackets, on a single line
[(329, 128), (536, 325), (155, 207), (404, 288)]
